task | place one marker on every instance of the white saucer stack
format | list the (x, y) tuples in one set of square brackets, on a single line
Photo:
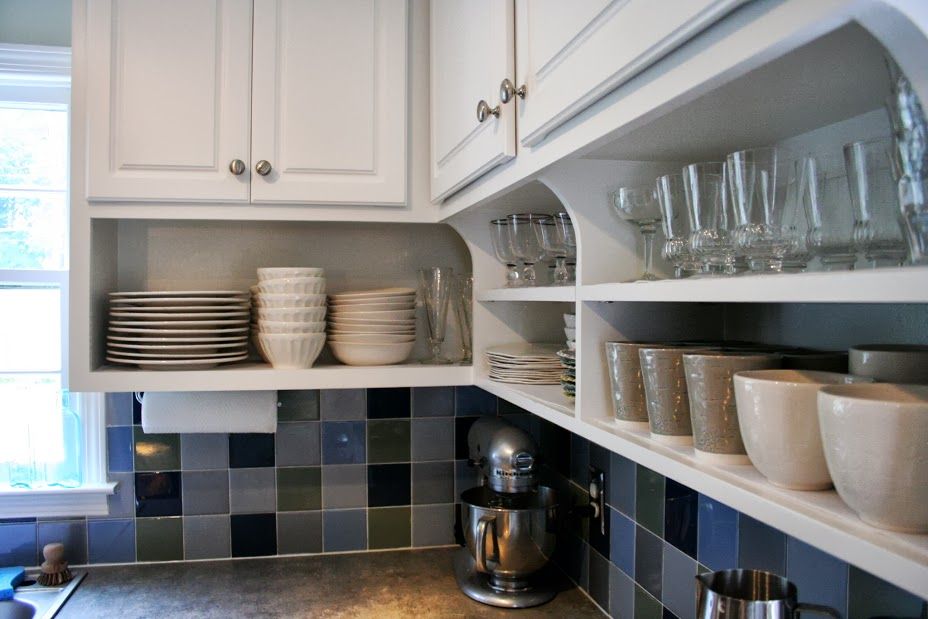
[(289, 312), (525, 364), (373, 327), (177, 329)]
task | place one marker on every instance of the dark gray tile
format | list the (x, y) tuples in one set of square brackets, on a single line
[(159, 539), (649, 500), (621, 491), (432, 439), (819, 577), (119, 409), (207, 537), (343, 404), (344, 529), (870, 596), (71, 533), (299, 532), (252, 491), (471, 401), (344, 442), (111, 541), (621, 594), (678, 591), (760, 547), (301, 405), (200, 452), (433, 402), (432, 482), (344, 486), (649, 555), (298, 444), (465, 477), (599, 579), (389, 527), (205, 492), (299, 489), (432, 525), (121, 504)]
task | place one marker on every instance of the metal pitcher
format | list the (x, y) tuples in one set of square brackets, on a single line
[(750, 594)]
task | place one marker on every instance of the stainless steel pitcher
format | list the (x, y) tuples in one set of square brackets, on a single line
[(750, 594)]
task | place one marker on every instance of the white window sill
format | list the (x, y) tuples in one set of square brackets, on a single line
[(88, 500)]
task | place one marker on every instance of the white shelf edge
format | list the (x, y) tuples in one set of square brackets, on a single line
[(889, 285), (258, 376), (546, 401), (537, 293)]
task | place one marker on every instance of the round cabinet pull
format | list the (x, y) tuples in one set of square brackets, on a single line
[(507, 91), (263, 167), (237, 167), (484, 111)]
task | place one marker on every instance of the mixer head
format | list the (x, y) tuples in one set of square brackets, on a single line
[(506, 455)]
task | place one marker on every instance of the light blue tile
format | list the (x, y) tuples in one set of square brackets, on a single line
[(344, 442), (819, 577), (760, 547), (678, 590), (121, 504), (71, 533), (207, 537), (119, 449), (111, 541), (622, 542), (717, 535), (18, 544), (344, 529), (200, 452), (119, 409), (621, 491), (621, 594)]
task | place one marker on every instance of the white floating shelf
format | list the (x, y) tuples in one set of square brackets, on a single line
[(546, 401), (256, 376), (891, 285), (535, 293)]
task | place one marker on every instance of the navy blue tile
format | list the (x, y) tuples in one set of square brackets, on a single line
[(344, 442), (599, 458), (111, 541), (681, 514), (461, 428), (254, 535), (470, 401), (388, 403), (819, 577), (649, 559), (18, 544), (666, 613), (158, 494), (760, 547), (526, 422), (599, 579), (248, 451), (718, 535), (137, 409), (433, 402), (622, 542), (621, 481), (388, 484), (344, 529), (572, 555), (71, 533), (580, 460), (119, 449), (555, 446)]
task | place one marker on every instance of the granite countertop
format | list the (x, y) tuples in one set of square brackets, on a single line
[(408, 583)]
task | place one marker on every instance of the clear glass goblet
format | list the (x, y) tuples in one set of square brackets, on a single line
[(676, 225), (435, 288), (500, 235), (553, 243), (567, 235), (639, 206), (525, 244), (711, 218)]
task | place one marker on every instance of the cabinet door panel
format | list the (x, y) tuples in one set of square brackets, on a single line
[(329, 102), (471, 53), (168, 103), (572, 53)]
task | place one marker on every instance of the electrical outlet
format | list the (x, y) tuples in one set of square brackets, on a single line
[(598, 497)]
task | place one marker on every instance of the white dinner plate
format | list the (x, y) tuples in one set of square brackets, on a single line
[(190, 364), (403, 314), (371, 307), (525, 350), (190, 324), (180, 315), (377, 292), (180, 348), (225, 307), (175, 356), (228, 331), (398, 322), (344, 329), (179, 293), (409, 300), (178, 301), (132, 339)]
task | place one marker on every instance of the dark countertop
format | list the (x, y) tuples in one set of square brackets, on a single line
[(407, 583)]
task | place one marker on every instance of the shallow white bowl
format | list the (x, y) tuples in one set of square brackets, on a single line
[(375, 293), (395, 322), (291, 314), (290, 351), (334, 301), (389, 329), (372, 307), (291, 285), (874, 438), (289, 300), (402, 314), (778, 418), (372, 338), (279, 326), (267, 273), (890, 363), (351, 353)]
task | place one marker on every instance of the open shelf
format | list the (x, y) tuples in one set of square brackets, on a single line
[(534, 293), (891, 285), (544, 400)]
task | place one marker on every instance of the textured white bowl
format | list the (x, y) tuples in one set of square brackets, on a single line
[(291, 285), (279, 326), (291, 314), (874, 438), (409, 299), (267, 273), (372, 307), (389, 329), (403, 314), (384, 322), (372, 338), (289, 300), (290, 351), (371, 354), (890, 363), (778, 417)]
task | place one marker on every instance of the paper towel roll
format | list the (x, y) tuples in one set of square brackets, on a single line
[(192, 412)]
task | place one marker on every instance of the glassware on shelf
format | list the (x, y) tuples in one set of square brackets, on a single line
[(435, 287), (710, 216), (553, 244), (500, 235), (464, 306), (877, 225), (568, 237), (639, 206), (795, 221), (672, 201), (525, 245), (831, 219)]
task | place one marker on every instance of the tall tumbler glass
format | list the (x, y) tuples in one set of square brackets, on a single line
[(553, 244), (464, 306), (795, 222), (710, 217), (435, 287), (672, 200), (525, 244), (568, 237), (639, 206), (831, 218), (877, 224), (500, 235)]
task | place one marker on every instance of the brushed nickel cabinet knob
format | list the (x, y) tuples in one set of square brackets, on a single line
[(263, 167), (237, 167), (484, 111)]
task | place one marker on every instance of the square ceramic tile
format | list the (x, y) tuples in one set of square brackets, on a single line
[(111, 541), (71, 533), (119, 449), (254, 535), (678, 592), (681, 516), (622, 542), (649, 500), (599, 458), (432, 525), (465, 477), (432, 439), (299, 489), (388, 440), (158, 494), (343, 404), (344, 486), (207, 537), (620, 493), (389, 527), (760, 547), (137, 410), (159, 539), (599, 579), (301, 405), (649, 555), (819, 577), (461, 428), (718, 535), (577, 525), (621, 594), (248, 451), (344, 442), (156, 452), (204, 451), (572, 554), (555, 446), (344, 529), (388, 485), (206, 492), (432, 482), (18, 544), (433, 402), (298, 444), (118, 408), (646, 605), (252, 491), (299, 532), (580, 460), (870, 596), (121, 504), (471, 401), (389, 403)]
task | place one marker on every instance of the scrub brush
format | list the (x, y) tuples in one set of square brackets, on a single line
[(54, 571)]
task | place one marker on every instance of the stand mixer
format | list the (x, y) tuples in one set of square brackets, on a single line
[(509, 522)]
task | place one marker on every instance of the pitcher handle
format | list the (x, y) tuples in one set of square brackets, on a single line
[(483, 529), (818, 609)]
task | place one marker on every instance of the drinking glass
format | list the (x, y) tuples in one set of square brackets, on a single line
[(525, 244), (502, 246), (639, 206), (435, 287), (795, 222), (710, 217), (464, 309), (831, 219), (553, 244), (565, 231), (672, 200), (877, 225)]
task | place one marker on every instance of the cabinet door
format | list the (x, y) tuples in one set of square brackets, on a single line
[(472, 46), (168, 95), (570, 54), (329, 101)]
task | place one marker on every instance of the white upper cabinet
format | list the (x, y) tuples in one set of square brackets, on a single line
[(329, 103), (570, 54), (169, 99), (472, 50)]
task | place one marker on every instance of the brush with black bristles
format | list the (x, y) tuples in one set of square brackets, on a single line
[(54, 569)]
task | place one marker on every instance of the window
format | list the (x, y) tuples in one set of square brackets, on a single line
[(51, 444)]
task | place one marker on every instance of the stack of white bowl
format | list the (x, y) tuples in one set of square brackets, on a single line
[(373, 327), (289, 313)]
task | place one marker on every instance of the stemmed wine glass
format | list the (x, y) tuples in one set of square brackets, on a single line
[(565, 231), (435, 286), (525, 244), (548, 235), (500, 235), (639, 206)]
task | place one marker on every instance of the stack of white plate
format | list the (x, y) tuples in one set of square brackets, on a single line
[(570, 330), (177, 329), (373, 327), (525, 364), (289, 312)]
